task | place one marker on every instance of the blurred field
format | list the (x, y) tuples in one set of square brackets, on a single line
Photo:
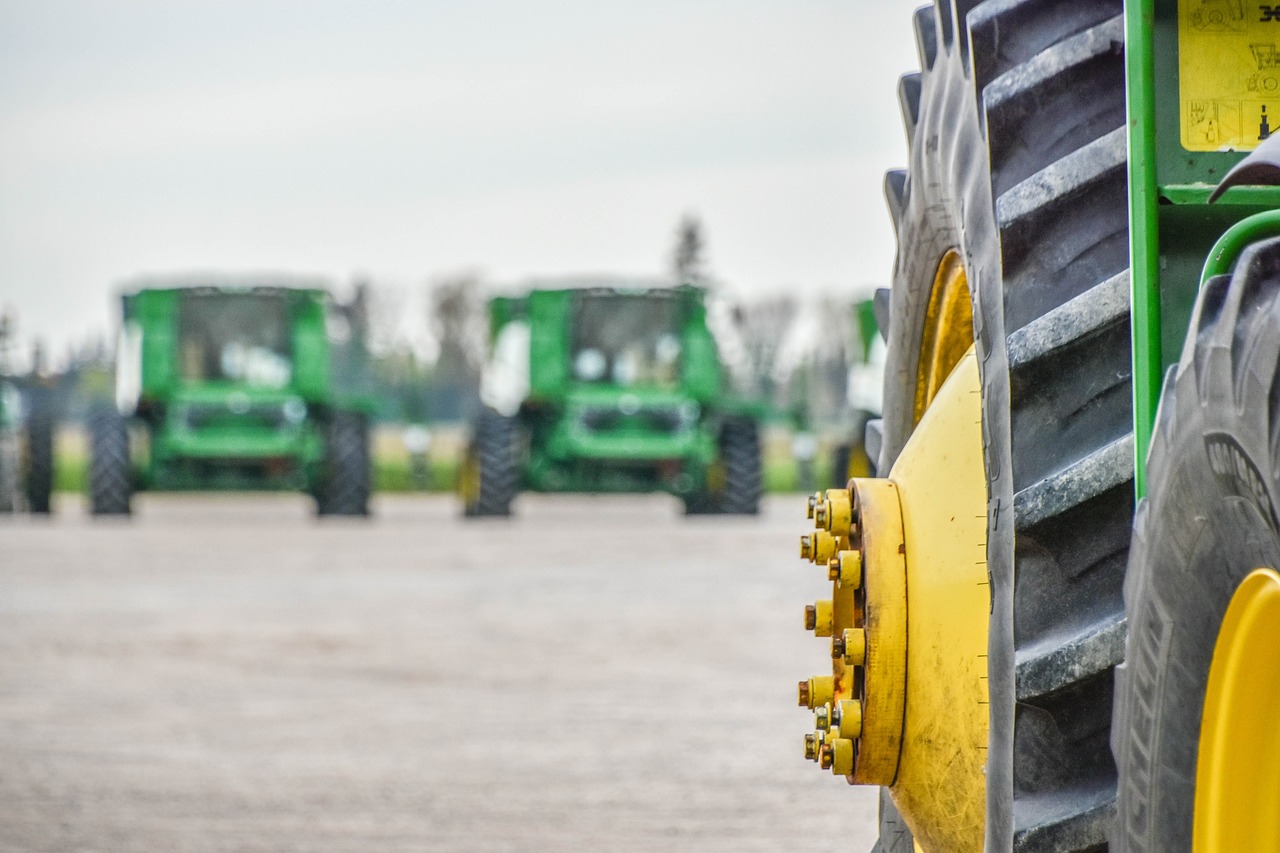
[(227, 673), (394, 472)]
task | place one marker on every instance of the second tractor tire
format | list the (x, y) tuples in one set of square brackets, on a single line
[(1209, 519), (494, 457), (110, 467), (347, 481)]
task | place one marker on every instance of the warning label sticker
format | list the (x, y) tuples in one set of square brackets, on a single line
[(1229, 73)]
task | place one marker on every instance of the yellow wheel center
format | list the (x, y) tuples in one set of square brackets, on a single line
[(469, 479), (948, 330), (1237, 804)]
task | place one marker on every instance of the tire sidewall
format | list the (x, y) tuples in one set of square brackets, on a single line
[(1209, 520)]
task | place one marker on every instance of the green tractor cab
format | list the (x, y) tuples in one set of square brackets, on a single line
[(229, 387), (609, 390)]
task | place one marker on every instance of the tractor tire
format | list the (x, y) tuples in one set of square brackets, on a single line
[(895, 837), (1208, 520), (39, 473), (740, 458), (1015, 126), (110, 468), (494, 454), (701, 503), (346, 480)]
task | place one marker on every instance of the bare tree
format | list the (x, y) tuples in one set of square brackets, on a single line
[(459, 324), (688, 258), (765, 326)]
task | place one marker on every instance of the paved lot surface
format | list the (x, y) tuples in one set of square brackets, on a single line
[(227, 674)]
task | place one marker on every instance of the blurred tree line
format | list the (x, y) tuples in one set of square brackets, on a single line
[(428, 344)]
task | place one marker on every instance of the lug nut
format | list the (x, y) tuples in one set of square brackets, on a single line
[(813, 504), (845, 568), (817, 691), (838, 516), (846, 718), (822, 547), (806, 547), (820, 515), (841, 752), (822, 718), (851, 645), (826, 756), (818, 618), (811, 746)]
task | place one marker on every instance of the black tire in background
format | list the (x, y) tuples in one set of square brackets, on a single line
[(740, 458), (39, 474), (495, 451), (110, 468), (346, 480), (1209, 518), (1017, 147)]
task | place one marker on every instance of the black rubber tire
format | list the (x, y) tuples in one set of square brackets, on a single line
[(1016, 132), (701, 503), (495, 448), (743, 474), (110, 468), (346, 481), (1209, 518), (39, 474), (895, 837)]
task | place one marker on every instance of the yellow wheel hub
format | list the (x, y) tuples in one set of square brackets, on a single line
[(907, 706), (1237, 803)]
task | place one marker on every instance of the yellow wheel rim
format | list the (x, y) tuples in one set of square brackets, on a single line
[(1237, 803), (948, 330), (469, 479)]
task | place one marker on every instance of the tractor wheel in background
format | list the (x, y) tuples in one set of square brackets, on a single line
[(110, 468), (740, 459), (490, 477), (1209, 520), (39, 473), (345, 480), (1014, 209)]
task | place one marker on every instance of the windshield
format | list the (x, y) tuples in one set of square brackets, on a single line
[(626, 340), (235, 337)]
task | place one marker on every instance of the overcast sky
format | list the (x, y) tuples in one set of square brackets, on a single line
[(408, 139)]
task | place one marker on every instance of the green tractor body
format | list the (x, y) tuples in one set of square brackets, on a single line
[(610, 390), (229, 387)]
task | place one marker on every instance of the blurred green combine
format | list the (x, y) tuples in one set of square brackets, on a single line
[(610, 389), (223, 386)]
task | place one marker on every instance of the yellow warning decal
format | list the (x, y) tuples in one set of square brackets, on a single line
[(1229, 73)]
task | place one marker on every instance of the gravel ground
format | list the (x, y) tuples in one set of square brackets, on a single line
[(228, 674)]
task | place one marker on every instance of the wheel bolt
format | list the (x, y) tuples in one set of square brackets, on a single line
[(806, 547), (821, 512), (851, 645), (846, 718), (845, 568), (817, 691), (826, 756), (841, 751), (818, 618), (813, 744), (822, 718)]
